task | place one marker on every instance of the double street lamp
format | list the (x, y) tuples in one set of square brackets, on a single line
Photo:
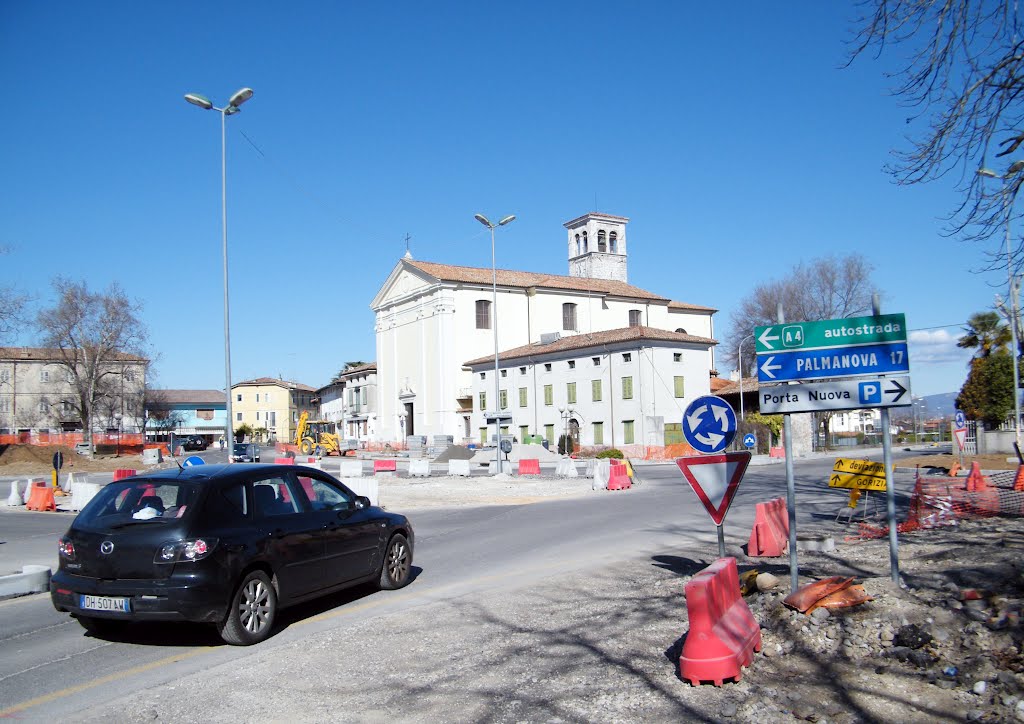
[(230, 109), (494, 325), (1015, 168)]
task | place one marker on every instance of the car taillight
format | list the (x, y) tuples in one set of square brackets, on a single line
[(185, 551), (66, 548)]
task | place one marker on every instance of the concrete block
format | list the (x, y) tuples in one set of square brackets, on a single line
[(32, 579), (458, 467), (602, 472), (419, 468), (364, 486), (506, 467), (351, 468), (82, 493)]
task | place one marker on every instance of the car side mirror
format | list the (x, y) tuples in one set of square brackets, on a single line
[(362, 502)]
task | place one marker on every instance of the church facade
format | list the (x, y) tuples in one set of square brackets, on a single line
[(436, 326)]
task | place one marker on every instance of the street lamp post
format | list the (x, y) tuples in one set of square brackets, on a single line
[(1014, 169), (494, 325), (230, 109), (739, 366)]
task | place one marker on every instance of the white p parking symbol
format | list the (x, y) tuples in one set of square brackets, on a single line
[(870, 392)]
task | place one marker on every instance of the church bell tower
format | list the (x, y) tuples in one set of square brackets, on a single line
[(597, 246)]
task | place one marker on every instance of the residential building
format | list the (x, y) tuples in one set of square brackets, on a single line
[(431, 318), (271, 406), (624, 388), (38, 393), (185, 412), (350, 401)]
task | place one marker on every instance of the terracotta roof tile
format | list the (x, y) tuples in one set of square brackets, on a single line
[(594, 339), (750, 384), (690, 307), (569, 223), (43, 354), (525, 280)]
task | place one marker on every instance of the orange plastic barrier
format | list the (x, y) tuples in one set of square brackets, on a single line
[(1018, 482), (122, 473), (770, 533), (284, 461), (529, 466), (384, 466), (976, 482), (723, 634), (41, 497), (619, 477)]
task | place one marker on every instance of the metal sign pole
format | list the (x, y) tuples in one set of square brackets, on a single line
[(890, 488), (721, 542), (787, 428)]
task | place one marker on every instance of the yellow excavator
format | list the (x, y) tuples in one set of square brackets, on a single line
[(313, 434)]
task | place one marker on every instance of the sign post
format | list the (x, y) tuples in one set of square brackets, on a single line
[(709, 425), (960, 432), (58, 463)]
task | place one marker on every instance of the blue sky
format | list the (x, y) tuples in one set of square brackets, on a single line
[(729, 133)]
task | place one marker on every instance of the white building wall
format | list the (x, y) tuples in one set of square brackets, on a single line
[(652, 370)]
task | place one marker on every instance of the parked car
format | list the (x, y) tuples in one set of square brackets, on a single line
[(228, 545), (245, 452), (194, 442), (83, 448)]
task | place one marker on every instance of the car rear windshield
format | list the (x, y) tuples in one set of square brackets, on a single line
[(139, 501)]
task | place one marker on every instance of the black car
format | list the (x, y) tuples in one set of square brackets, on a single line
[(223, 544), (194, 442), (245, 452)]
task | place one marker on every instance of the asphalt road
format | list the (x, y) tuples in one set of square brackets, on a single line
[(50, 668)]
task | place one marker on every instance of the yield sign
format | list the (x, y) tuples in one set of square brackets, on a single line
[(715, 478), (960, 433)]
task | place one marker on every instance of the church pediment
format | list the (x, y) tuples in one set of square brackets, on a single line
[(403, 282)]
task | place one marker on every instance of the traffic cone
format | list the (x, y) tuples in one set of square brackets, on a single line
[(975, 480)]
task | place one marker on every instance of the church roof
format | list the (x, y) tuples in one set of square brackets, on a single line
[(286, 384), (690, 307), (525, 280), (594, 339)]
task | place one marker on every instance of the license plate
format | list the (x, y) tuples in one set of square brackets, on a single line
[(104, 603)]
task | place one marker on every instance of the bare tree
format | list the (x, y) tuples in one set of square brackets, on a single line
[(963, 80), (826, 288), (92, 334)]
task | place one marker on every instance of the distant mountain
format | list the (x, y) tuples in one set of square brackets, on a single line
[(940, 405)]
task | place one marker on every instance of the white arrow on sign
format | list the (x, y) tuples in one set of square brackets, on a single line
[(767, 338), (768, 368)]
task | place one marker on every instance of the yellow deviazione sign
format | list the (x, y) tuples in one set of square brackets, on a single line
[(857, 475)]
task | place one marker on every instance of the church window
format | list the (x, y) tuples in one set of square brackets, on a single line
[(681, 330), (577, 244), (569, 316), (483, 314), (613, 243), (585, 247), (602, 245), (634, 317)]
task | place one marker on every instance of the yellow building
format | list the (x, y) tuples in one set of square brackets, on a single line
[(271, 407)]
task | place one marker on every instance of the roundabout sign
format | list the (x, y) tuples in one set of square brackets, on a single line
[(709, 424)]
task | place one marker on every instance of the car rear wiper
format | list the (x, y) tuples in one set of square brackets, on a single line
[(134, 521)]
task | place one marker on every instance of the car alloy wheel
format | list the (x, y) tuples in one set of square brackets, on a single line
[(397, 563), (252, 612)]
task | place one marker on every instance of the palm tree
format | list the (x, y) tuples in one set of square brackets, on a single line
[(986, 332)]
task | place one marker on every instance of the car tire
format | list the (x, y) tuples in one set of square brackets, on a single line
[(253, 609), (100, 627), (396, 569)]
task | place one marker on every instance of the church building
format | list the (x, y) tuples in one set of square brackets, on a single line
[(436, 332)]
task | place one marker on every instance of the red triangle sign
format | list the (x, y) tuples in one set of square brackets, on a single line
[(960, 434), (715, 479)]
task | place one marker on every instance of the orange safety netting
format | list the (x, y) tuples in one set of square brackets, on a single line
[(943, 501)]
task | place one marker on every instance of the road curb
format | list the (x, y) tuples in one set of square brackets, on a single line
[(32, 579)]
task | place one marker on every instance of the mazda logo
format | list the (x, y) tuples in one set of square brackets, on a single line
[(107, 547)]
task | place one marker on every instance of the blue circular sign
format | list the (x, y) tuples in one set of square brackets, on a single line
[(749, 440), (193, 460), (709, 424), (959, 419)]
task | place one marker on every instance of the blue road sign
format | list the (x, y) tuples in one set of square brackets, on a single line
[(749, 440), (709, 424), (960, 420), (871, 359), (193, 460)]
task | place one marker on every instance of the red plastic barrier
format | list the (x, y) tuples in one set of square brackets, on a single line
[(529, 466), (41, 497), (122, 473), (384, 466), (723, 634), (284, 461), (770, 533), (618, 479)]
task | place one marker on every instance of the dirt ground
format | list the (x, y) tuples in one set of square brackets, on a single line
[(38, 460), (945, 460)]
